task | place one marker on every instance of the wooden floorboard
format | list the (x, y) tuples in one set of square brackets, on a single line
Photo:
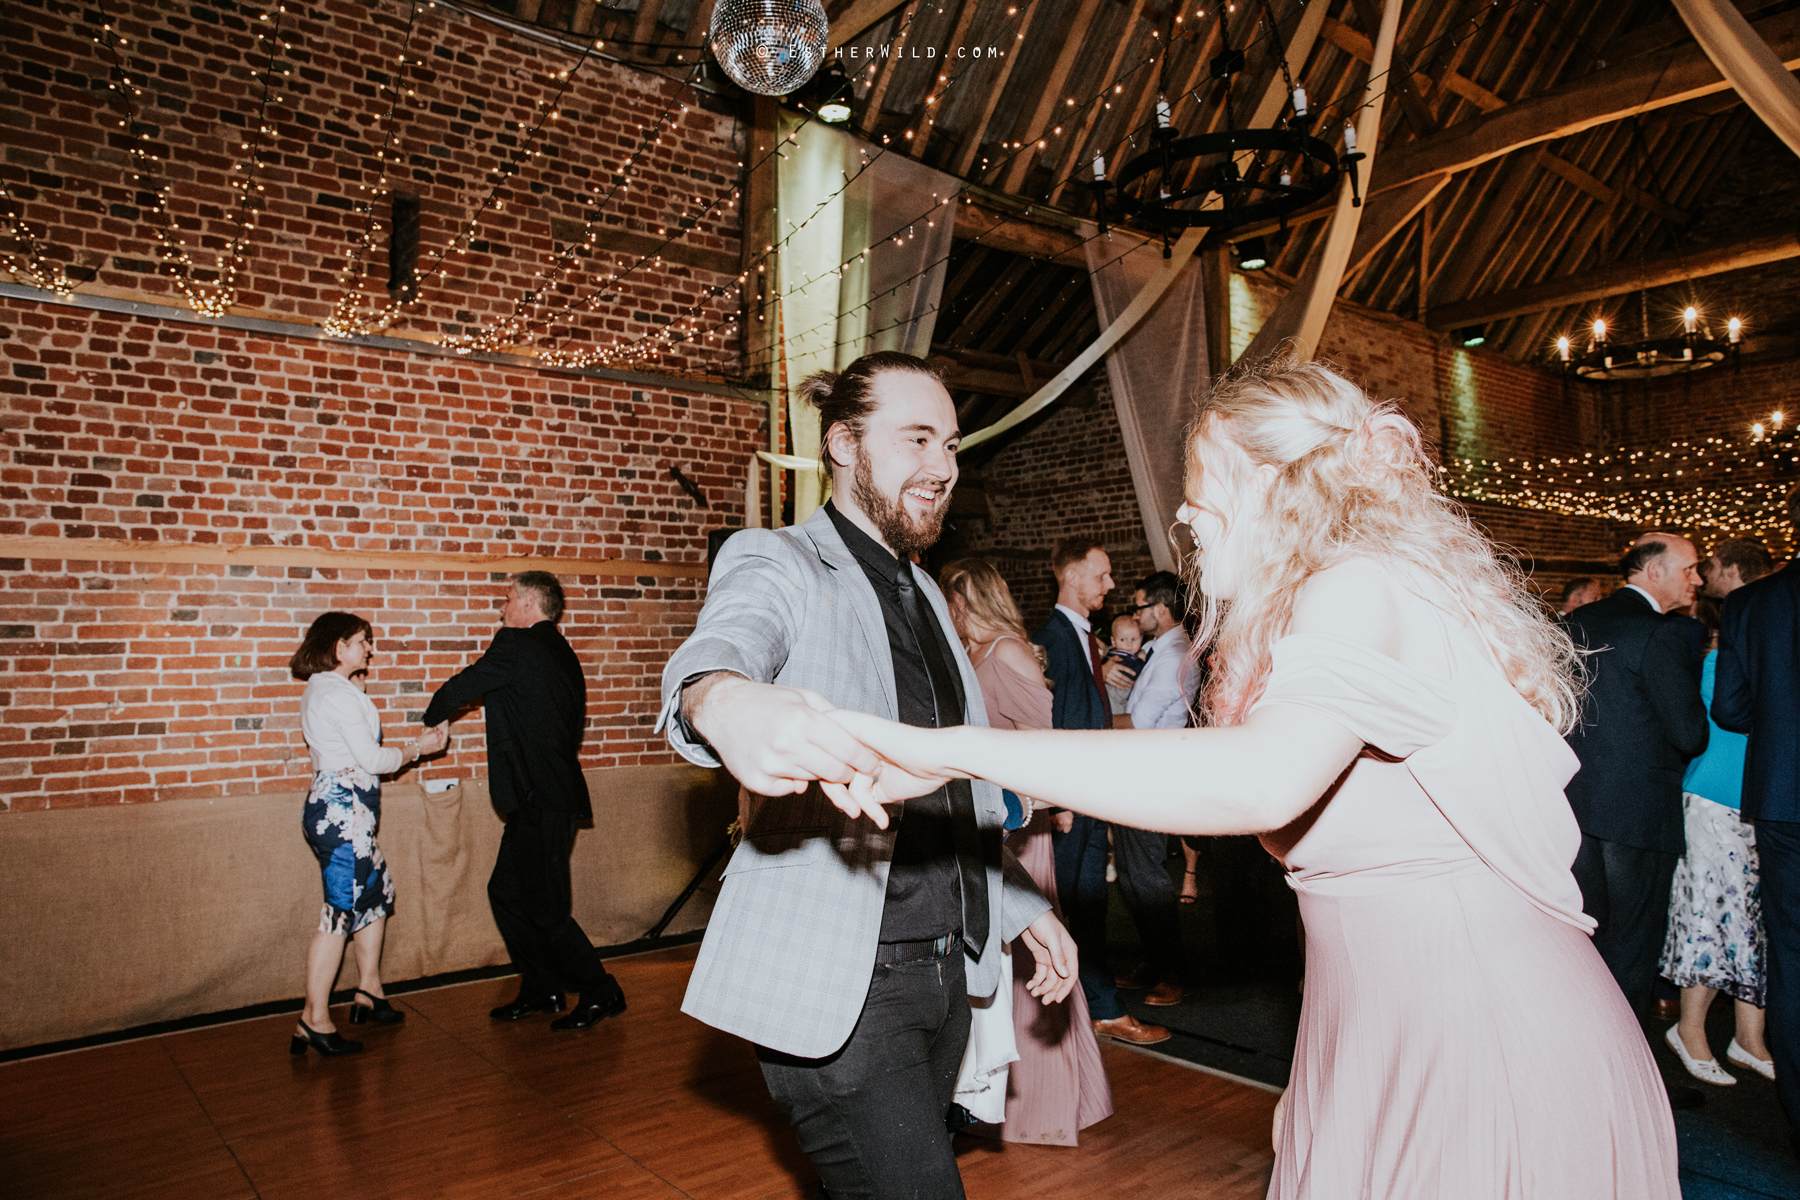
[(647, 1106)]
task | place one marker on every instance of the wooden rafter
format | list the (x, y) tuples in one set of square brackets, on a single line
[(1009, 58), (1070, 164), (885, 75), (1051, 96), (1622, 277), (1614, 94), (924, 122)]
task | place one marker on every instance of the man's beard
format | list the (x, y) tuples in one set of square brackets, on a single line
[(904, 534)]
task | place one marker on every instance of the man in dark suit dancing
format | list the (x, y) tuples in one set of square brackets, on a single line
[(1757, 692), (1642, 720), (536, 700), (1078, 701)]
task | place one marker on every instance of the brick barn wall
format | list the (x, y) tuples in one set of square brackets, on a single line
[(130, 682), (608, 165), (141, 681)]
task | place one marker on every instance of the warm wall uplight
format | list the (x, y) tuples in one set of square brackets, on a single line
[(1735, 330)]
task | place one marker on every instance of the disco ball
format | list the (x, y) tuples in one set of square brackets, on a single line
[(769, 47)]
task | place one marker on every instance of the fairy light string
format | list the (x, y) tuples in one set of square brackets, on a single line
[(439, 267), (342, 321), (1714, 483), (29, 265), (218, 299)]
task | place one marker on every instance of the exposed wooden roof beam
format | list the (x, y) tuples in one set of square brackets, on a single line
[(1641, 85), (1622, 277), (1602, 192), (885, 75), (1052, 93), (999, 229), (1070, 166), (643, 30), (924, 121), (1010, 54), (1403, 88), (858, 19)]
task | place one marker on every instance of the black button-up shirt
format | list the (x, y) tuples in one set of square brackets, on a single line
[(924, 895)]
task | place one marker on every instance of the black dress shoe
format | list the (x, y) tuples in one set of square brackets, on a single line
[(328, 1044), (377, 1010), (586, 1014), (524, 1006)]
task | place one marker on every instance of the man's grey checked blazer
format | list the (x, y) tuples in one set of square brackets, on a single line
[(790, 948)]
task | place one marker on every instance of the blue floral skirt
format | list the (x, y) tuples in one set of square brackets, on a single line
[(1715, 934), (339, 821)]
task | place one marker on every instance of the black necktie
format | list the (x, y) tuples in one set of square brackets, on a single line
[(971, 865), (1148, 651)]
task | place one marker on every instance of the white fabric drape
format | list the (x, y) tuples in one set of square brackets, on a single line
[(1300, 316), (1157, 372), (1745, 60), (864, 238)]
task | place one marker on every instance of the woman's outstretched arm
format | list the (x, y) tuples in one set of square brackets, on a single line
[(1246, 779)]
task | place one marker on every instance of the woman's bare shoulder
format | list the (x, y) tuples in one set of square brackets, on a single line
[(1017, 655)]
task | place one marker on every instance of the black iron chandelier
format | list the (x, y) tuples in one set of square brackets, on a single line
[(1611, 358), (1183, 182)]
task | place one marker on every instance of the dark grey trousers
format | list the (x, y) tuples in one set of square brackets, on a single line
[(871, 1116), (1151, 898), (1626, 890)]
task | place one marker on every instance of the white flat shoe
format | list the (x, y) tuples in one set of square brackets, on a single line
[(1744, 1058), (1706, 1070)]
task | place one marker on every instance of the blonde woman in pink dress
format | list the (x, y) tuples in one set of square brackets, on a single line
[(1058, 1085), (1386, 708)]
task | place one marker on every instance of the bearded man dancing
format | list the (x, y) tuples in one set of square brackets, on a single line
[(846, 952)]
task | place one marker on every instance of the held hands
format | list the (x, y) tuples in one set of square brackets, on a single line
[(1054, 950), (435, 738), (910, 763), (777, 741)]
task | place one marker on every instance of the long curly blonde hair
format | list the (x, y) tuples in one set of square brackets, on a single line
[(1352, 479)]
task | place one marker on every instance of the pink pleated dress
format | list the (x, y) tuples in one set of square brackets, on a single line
[(1058, 1087), (1460, 1036)]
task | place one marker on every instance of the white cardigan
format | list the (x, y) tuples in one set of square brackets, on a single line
[(343, 731)]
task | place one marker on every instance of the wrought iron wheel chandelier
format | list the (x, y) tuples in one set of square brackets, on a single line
[(1230, 178), (1609, 358)]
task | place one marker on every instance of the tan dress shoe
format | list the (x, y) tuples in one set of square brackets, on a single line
[(1129, 1029), (1164, 994)]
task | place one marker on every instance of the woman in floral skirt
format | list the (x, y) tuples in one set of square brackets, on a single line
[(343, 811)]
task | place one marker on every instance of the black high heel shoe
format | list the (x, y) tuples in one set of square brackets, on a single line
[(378, 1011), (328, 1044)]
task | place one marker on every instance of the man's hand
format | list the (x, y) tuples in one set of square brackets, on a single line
[(1117, 674), (1054, 950), (435, 738), (774, 740)]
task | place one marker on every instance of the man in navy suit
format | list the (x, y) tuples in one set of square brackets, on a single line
[(1078, 701), (1641, 722), (1757, 692)]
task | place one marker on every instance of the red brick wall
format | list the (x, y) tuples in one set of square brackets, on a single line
[(137, 682), (474, 94)]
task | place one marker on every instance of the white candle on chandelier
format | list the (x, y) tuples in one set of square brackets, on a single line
[(1299, 102), (1599, 331), (1690, 319), (1162, 113), (1099, 168), (1735, 330), (1562, 348), (1775, 418), (1756, 431), (1287, 180), (1349, 138)]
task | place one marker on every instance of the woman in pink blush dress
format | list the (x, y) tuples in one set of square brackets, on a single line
[(1058, 1085), (1385, 708)]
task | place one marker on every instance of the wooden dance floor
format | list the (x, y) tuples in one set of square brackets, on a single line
[(646, 1106)]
